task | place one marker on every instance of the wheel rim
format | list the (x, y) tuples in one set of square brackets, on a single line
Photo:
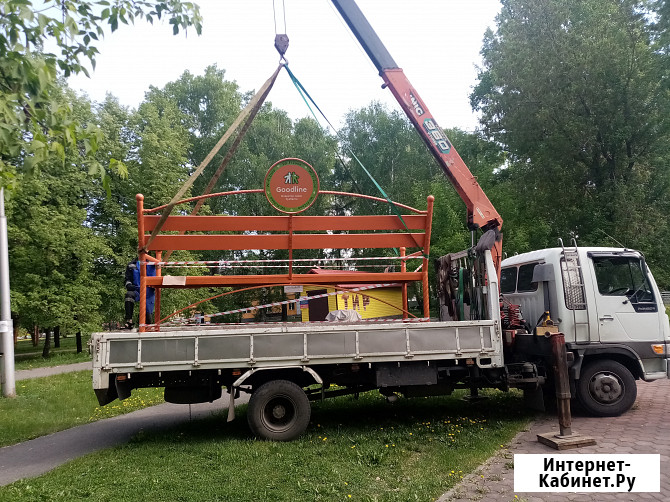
[(606, 387), (279, 413)]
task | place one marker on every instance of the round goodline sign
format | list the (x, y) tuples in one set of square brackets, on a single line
[(291, 185)]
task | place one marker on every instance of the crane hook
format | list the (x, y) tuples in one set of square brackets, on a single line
[(281, 44)]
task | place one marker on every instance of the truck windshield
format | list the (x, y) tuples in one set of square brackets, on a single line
[(622, 276)]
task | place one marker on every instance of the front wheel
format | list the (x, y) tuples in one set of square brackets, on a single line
[(606, 388), (278, 410)]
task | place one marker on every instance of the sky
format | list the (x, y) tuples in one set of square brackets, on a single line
[(435, 42)]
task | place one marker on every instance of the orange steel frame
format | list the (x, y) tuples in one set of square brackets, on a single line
[(286, 236)]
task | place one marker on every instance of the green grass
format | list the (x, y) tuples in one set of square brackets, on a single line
[(69, 343), (365, 450), (28, 357), (55, 359), (54, 403)]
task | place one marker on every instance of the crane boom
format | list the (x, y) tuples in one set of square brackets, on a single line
[(481, 213)]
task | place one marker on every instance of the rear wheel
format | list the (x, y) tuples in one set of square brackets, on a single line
[(278, 410), (606, 388)]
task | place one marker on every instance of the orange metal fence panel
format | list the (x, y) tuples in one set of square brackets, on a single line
[(286, 232)]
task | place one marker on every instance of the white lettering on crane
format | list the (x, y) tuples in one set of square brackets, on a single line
[(437, 135), (418, 109)]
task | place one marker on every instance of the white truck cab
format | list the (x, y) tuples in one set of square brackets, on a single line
[(607, 304)]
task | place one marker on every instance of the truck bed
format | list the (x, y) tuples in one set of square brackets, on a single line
[(272, 345)]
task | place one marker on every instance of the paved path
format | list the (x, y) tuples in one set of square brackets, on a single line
[(35, 457), (644, 429), (40, 455), (52, 370)]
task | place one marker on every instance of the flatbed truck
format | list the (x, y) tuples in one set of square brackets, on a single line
[(604, 300), (614, 336)]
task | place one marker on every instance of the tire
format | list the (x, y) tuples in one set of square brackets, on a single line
[(278, 410), (606, 388)]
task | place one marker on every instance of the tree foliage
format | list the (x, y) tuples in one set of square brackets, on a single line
[(53, 253), (38, 42), (577, 92)]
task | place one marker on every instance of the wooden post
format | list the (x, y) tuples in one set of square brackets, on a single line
[(562, 382)]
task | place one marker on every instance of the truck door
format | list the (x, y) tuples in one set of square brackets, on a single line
[(625, 301)]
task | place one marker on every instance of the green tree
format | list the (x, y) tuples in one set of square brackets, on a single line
[(388, 146), (153, 144), (577, 93), (34, 125), (662, 25), (54, 253)]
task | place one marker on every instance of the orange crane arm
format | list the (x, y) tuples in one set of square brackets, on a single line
[(481, 213)]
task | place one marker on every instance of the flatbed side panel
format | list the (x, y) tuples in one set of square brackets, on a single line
[(125, 352), (212, 348)]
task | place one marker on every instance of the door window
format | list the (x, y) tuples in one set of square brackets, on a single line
[(508, 280), (623, 276), (525, 283)]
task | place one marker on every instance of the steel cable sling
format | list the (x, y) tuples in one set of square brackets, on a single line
[(305, 96)]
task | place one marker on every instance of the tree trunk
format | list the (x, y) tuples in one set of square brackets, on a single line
[(15, 318), (47, 344), (78, 342), (57, 337), (36, 336)]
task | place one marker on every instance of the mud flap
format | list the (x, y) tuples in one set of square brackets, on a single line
[(122, 389), (105, 396)]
